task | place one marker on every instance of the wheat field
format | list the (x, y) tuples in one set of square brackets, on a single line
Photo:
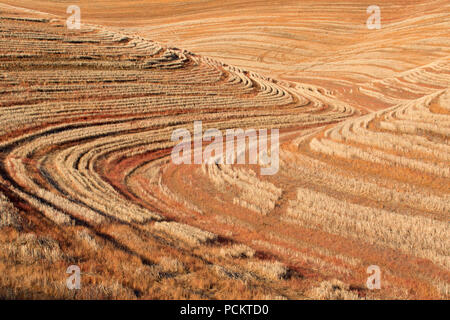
[(86, 176)]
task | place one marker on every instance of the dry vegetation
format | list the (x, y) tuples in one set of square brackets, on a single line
[(86, 178)]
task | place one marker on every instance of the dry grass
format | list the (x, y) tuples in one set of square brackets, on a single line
[(237, 251), (86, 118), (87, 237), (333, 290), (185, 232), (29, 248), (273, 270), (9, 215), (171, 265)]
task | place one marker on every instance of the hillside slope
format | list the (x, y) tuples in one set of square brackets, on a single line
[(87, 179)]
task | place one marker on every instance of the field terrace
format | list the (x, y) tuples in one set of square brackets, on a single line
[(86, 176)]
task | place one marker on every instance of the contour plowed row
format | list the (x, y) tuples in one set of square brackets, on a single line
[(86, 119)]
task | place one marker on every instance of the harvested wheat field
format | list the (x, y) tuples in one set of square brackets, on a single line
[(87, 176)]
